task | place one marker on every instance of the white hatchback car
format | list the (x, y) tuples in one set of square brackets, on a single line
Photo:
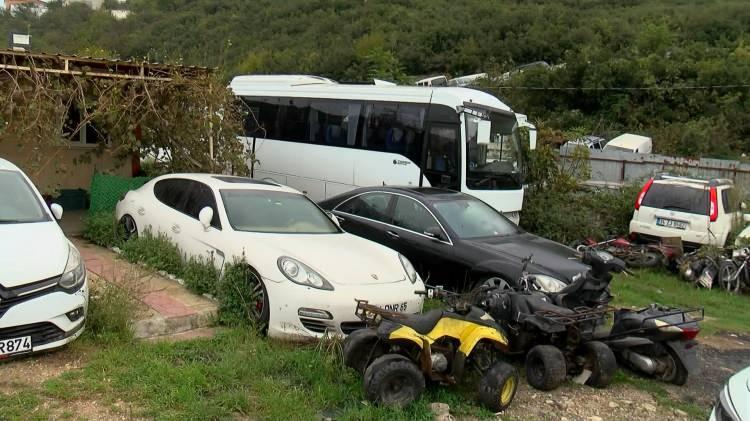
[(43, 283), (311, 271), (701, 212)]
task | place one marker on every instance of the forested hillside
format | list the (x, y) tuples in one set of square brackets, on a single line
[(672, 51)]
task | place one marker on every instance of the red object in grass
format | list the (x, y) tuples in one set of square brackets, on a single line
[(643, 192)]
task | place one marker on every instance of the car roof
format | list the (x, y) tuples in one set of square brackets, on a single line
[(629, 140), (7, 165), (426, 193), (691, 182), (224, 181)]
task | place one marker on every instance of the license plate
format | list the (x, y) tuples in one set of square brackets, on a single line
[(399, 307), (15, 345), (671, 223)]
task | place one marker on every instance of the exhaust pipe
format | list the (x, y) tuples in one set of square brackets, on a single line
[(642, 362)]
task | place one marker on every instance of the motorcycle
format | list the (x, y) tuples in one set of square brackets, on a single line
[(700, 268), (398, 351), (657, 341), (734, 272), (634, 255)]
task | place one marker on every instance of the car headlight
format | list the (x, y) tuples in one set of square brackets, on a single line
[(301, 274), (548, 283), (75, 272), (408, 268)]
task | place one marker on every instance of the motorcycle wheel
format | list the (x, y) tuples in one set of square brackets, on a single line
[(676, 373), (727, 271), (642, 259)]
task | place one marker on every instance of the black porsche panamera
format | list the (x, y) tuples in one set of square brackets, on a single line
[(453, 239)]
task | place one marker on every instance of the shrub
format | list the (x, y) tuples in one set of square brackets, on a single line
[(156, 252), (109, 313), (102, 229), (200, 275), (234, 294)]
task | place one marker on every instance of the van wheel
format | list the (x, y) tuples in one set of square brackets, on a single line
[(393, 380), (601, 361), (498, 386), (545, 367)]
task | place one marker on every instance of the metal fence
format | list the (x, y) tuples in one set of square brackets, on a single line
[(613, 169)]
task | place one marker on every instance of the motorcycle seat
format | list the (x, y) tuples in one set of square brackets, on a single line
[(421, 323)]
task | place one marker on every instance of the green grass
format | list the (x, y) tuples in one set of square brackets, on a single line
[(660, 394), (233, 374), (724, 312)]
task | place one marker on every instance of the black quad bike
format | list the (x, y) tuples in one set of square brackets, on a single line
[(399, 351), (556, 340), (658, 341)]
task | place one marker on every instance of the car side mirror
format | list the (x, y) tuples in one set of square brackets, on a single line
[(57, 211), (205, 216), (435, 232)]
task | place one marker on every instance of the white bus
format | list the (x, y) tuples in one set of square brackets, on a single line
[(325, 138)]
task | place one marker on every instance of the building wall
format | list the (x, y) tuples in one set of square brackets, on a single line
[(94, 4), (58, 167)]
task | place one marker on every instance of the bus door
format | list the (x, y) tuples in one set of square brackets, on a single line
[(442, 161)]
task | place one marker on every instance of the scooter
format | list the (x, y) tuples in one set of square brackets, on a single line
[(399, 351)]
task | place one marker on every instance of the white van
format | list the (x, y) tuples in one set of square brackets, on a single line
[(630, 143), (701, 212)]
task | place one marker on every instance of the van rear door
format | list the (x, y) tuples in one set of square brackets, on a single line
[(680, 209)]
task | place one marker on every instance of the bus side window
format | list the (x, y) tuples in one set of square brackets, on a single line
[(334, 122), (442, 156)]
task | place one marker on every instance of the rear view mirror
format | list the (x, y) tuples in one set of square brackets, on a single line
[(57, 211), (205, 216)]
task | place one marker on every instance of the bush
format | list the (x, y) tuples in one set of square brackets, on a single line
[(234, 294), (200, 275), (156, 252), (109, 313), (101, 228)]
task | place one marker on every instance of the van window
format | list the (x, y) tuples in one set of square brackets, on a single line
[(677, 198)]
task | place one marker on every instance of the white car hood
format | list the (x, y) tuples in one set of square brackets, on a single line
[(31, 252), (342, 259)]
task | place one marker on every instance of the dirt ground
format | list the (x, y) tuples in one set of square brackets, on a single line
[(721, 356)]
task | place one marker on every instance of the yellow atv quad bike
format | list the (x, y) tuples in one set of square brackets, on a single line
[(398, 351)]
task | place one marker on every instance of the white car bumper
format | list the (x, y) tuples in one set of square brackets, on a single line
[(336, 308), (46, 318)]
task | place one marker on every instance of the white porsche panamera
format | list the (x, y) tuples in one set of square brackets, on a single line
[(310, 270)]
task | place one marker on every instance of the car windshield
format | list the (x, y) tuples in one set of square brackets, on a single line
[(493, 156), (275, 212), (19, 203), (472, 218), (677, 198)]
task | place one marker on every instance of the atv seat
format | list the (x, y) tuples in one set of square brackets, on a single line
[(534, 303), (422, 323)]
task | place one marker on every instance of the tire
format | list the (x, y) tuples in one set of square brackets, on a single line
[(361, 347), (128, 227), (676, 373), (602, 363), (545, 367), (645, 259), (493, 282), (727, 270), (393, 380), (259, 309), (498, 386)]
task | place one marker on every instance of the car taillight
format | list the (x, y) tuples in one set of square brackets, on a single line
[(713, 212), (643, 192), (689, 333)]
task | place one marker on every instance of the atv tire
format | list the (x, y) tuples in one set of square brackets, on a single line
[(545, 367), (498, 386), (393, 380), (360, 348), (602, 363)]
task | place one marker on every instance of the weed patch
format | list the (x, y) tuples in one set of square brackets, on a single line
[(101, 228), (109, 313)]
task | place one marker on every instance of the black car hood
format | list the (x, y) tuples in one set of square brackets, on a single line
[(549, 258)]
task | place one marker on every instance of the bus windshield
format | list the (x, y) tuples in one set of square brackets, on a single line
[(493, 153)]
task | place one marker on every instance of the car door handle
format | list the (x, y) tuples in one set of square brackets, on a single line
[(392, 234), (175, 228)]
